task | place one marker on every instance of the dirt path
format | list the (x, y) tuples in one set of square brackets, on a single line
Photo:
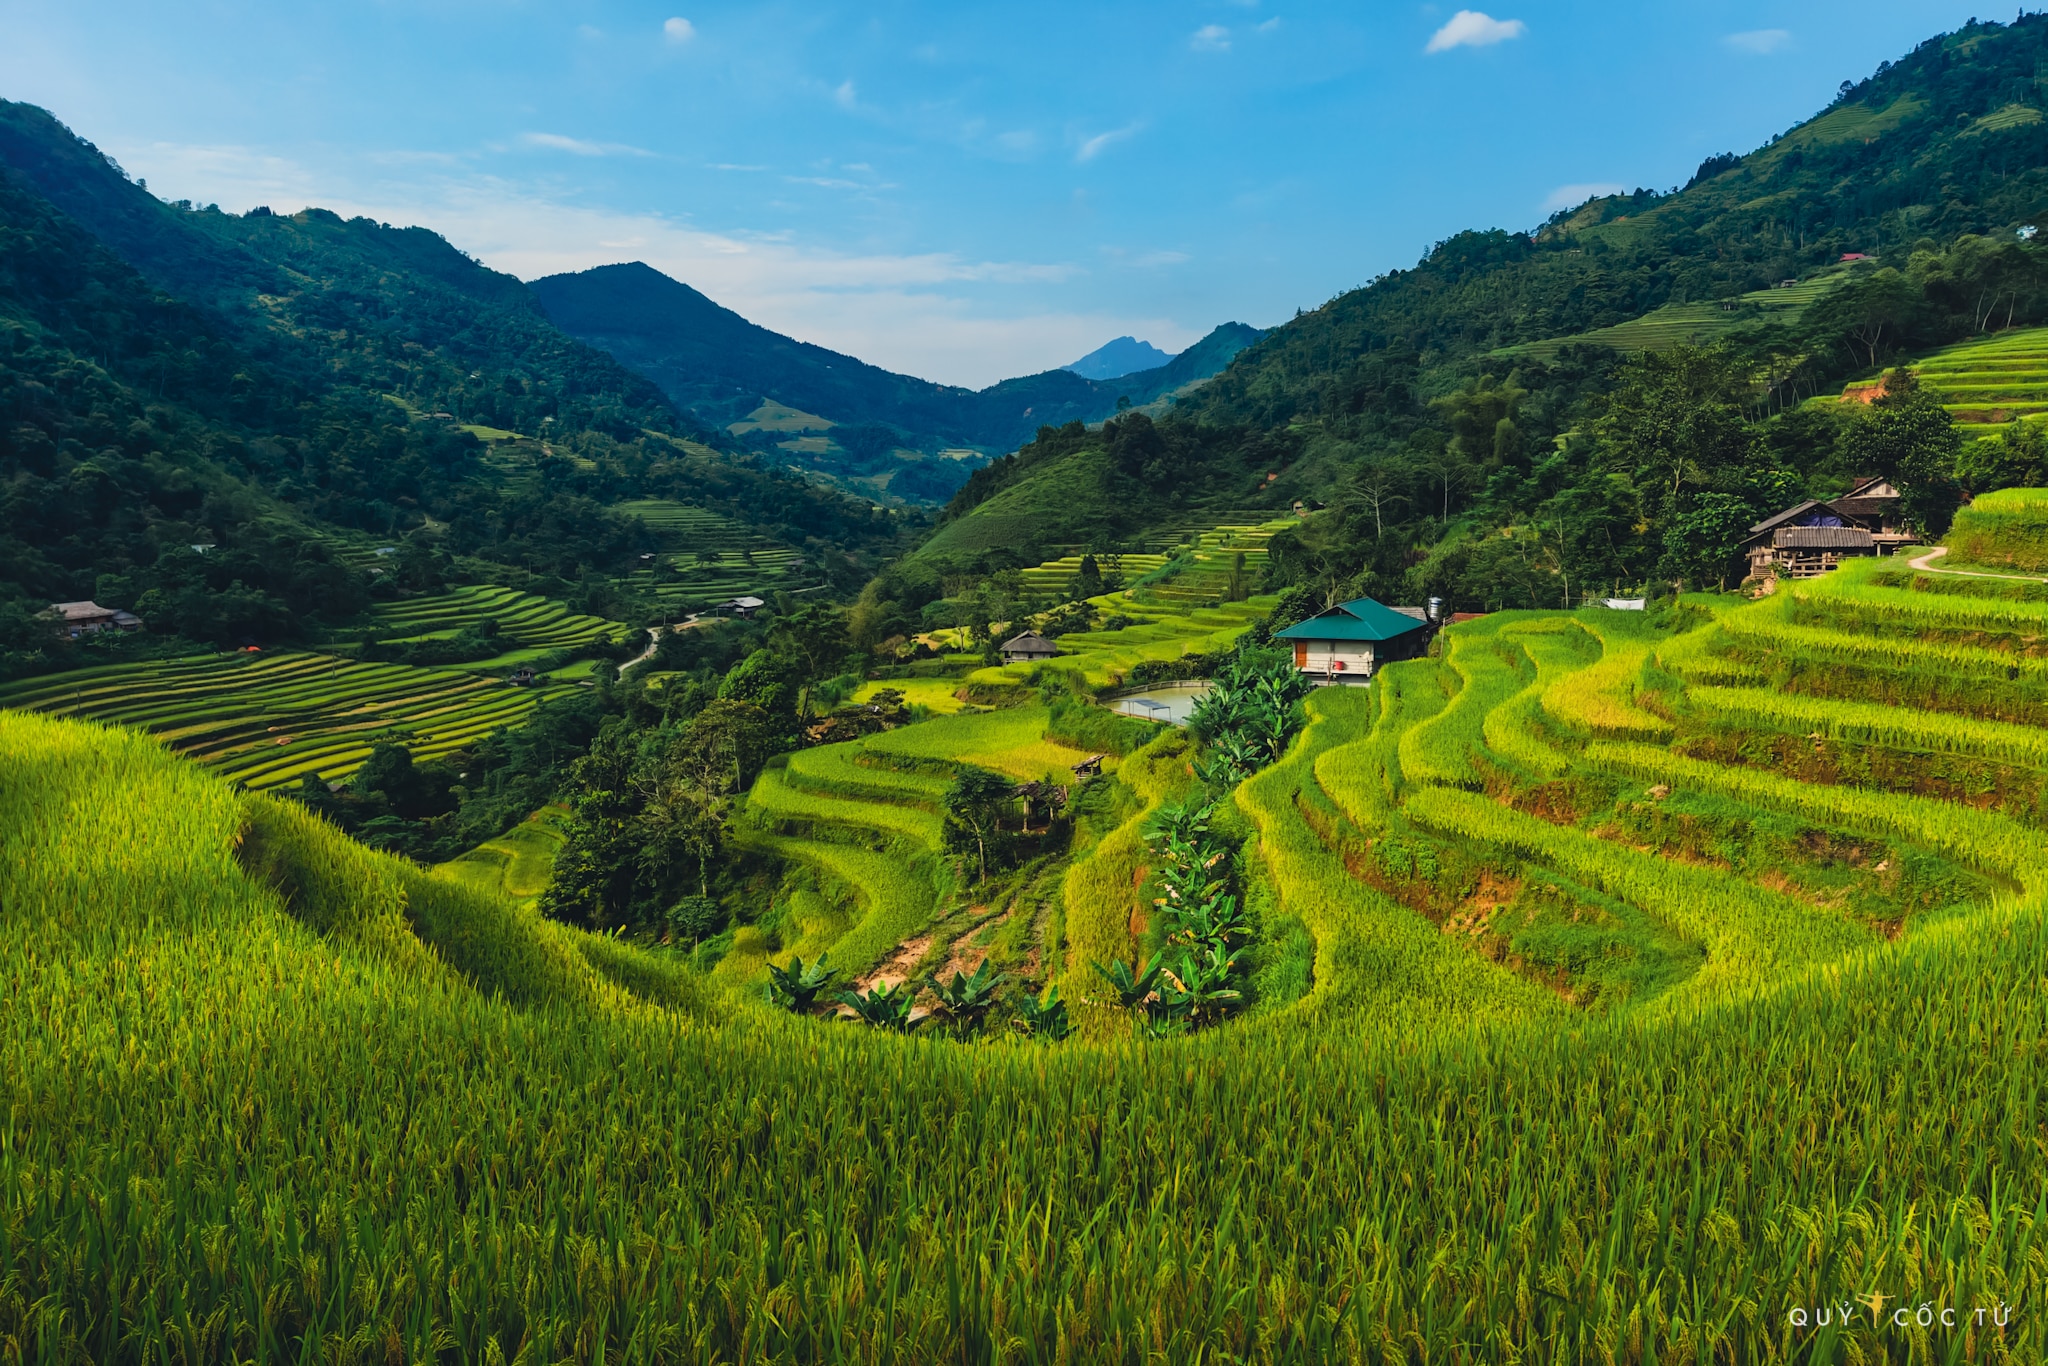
[(1925, 564), (654, 642)]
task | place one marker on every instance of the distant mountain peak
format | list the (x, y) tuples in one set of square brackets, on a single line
[(1124, 356)]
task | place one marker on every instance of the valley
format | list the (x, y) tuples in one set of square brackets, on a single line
[(1502, 818)]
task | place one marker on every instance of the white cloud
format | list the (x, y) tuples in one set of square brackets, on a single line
[(1474, 28), (1571, 196), (679, 30), (932, 314), (555, 142), (1210, 38), (845, 95), (1269, 25), (1762, 41), (1091, 148)]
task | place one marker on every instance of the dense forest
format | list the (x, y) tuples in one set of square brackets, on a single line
[(201, 408)]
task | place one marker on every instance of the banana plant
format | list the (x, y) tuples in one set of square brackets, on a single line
[(1199, 989), (969, 997), (886, 1008), (1185, 823), (1212, 923), (1045, 1019), (797, 987), (1131, 988)]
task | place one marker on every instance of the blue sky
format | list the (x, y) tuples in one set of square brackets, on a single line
[(963, 192)]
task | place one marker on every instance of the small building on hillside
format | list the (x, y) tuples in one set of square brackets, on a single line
[(1813, 537), (75, 619), (1028, 648), (737, 607), (1347, 643)]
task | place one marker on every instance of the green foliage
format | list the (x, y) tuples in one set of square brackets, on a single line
[(976, 805), (885, 1008), (1250, 714), (797, 987), (967, 999), (1043, 1019)]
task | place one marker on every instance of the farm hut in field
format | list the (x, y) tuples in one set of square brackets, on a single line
[(1349, 641), (1813, 537), (1028, 648), (75, 619), (737, 607)]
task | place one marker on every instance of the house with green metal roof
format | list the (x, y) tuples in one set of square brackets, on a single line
[(1346, 643)]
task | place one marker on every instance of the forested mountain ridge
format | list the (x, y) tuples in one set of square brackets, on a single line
[(173, 377), (1457, 461), (719, 366), (1949, 140)]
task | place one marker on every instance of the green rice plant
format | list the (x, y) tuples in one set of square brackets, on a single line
[(1363, 776), (1751, 935), (773, 799), (518, 864), (1100, 891), (1515, 730), (1377, 965), (1849, 596), (2007, 528), (230, 1136), (1600, 699), (1872, 724), (897, 894), (267, 719), (854, 771), (1440, 749), (1981, 839), (1767, 629)]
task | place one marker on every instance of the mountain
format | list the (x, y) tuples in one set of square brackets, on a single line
[(866, 426), (1124, 356), (1523, 414), (288, 390)]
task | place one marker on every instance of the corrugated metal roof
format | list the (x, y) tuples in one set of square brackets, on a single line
[(1823, 538), (1359, 619)]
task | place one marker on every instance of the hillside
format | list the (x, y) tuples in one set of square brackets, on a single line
[(218, 419), (1640, 933), (1613, 398), (715, 364)]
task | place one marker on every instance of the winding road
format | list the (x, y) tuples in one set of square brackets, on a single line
[(654, 642), (1925, 564)]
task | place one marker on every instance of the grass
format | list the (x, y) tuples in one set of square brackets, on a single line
[(265, 1095), (266, 719), (517, 864)]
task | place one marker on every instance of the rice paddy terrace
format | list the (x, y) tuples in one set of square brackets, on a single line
[(1986, 384), (1694, 324), (541, 624), (1666, 974), (705, 557), (1206, 565), (266, 719)]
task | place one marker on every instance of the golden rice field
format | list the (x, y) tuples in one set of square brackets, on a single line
[(1655, 1004), (266, 719)]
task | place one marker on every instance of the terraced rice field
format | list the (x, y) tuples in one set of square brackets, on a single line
[(1640, 1014), (706, 557), (1693, 324), (267, 719), (1987, 384), (536, 622), (517, 864), (1102, 659)]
